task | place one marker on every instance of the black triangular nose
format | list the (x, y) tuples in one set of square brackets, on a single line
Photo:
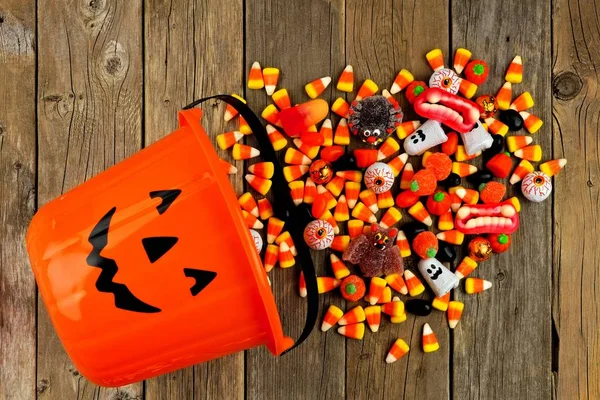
[(167, 196), (156, 247)]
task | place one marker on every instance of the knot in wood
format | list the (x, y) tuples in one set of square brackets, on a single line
[(566, 85), (114, 60)]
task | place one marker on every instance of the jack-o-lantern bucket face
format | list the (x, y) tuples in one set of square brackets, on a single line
[(149, 267)]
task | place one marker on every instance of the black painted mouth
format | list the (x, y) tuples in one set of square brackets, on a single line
[(436, 274)]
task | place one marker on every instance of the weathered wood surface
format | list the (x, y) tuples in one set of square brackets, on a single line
[(110, 78)]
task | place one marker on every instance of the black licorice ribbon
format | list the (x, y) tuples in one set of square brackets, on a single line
[(295, 217)]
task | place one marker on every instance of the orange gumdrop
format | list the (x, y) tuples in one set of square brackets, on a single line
[(423, 183), (332, 153), (425, 244), (492, 192), (440, 164)]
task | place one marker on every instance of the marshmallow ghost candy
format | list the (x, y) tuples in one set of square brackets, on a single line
[(477, 139), (428, 135), (439, 278)]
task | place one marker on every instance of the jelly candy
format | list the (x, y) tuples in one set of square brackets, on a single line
[(398, 350), (353, 288), (332, 316), (429, 341), (500, 165), (500, 242), (316, 87), (428, 135), (298, 119), (477, 71), (373, 119), (514, 73), (420, 307), (255, 77), (445, 79), (423, 183), (480, 249), (332, 153), (455, 310), (318, 235), (354, 331), (425, 244), (365, 157), (402, 80), (492, 192), (487, 218), (414, 285), (440, 164), (414, 90), (438, 203), (439, 278), (375, 252), (461, 59), (477, 139), (346, 81), (449, 146), (536, 187), (406, 199), (553, 167), (379, 177)]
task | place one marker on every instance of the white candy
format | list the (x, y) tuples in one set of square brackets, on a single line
[(258, 241), (476, 140), (438, 277), (379, 177), (318, 234), (536, 186), (428, 135)]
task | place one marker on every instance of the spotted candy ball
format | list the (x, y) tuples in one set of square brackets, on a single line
[(445, 79), (318, 234), (379, 177), (536, 186), (258, 241)]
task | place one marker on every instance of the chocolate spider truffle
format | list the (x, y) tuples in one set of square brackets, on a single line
[(373, 119)]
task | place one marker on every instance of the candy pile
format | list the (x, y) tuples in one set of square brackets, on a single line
[(353, 188)]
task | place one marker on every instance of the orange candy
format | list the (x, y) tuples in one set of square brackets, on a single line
[(440, 164), (449, 146), (346, 81), (281, 98), (425, 244), (492, 192)]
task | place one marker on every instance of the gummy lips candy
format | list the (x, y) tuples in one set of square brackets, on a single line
[(487, 218), (455, 112)]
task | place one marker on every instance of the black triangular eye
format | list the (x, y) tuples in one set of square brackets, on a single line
[(203, 278), (167, 196), (156, 247)]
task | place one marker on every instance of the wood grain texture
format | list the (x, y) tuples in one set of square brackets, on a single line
[(502, 346), (190, 54), (306, 41), (17, 198), (89, 118), (382, 37), (576, 123)]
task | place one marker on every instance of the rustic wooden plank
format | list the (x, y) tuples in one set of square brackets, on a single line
[(502, 346), (17, 198), (306, 41), (190, 54), (89, 118), (576, 309), (383, 37)]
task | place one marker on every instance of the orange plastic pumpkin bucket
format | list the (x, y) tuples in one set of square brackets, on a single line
[(149, 267)]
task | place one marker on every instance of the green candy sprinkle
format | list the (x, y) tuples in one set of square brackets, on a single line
[(439, 196), (351, 288), (478, 69), (502, 238), (418, 90)]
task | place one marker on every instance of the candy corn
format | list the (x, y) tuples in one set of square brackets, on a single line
[(369, 198), (340, 107), (521, 171), (455, 310), (352, 191), (271, 257), (300, 118), (276, 138), (389, 147), (295, 157), (297, 191), (403, 245), (327, 216), (468, 196), (355, 331), (514, 143), (327, 133), (368, 88), (514, 73), (466, 266), (385, 200), (504, 96), (523, 102), (357, 314), (390, 98), (397, 320), (316, 87), (385, 298), (325, 283), (341, 213), (248, 203), (302, 285), (329, 199), (414, 285), (419, 212), (441, 303), (446, 221), (354, 176), (531, 122), (265, 209), (391, 217), (467, 88), (293, 172), (376, 289), (553, 167), (398, 350), (530, 153), (332, 316), (461, 154), (346, 81), (262, 169), (496, 127), (397, 163), (403, 79), (373, 316), (243, 126), (243, 152), (476, 285), (461, 59), (286, 258), (261, 185), (274, 228), (251, 221), (227, 168), (230, 111), (281, 98), (270, 78), (435, 58), (342, 133), (271, 115), (310, 191), (394, 308), (255, 77), (355, 227), (228, 139), (396, 282), (335, 185), (456, 202), (407, 128), (462, 169), (430, 342), (452, 237), (340, 271), (340, 243), (407, 176)]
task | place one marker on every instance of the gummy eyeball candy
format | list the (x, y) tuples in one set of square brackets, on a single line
[(258, 241), (318, 234), (373, 119), (379, 177), (445, 79), (321, 172), (536, 186)]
